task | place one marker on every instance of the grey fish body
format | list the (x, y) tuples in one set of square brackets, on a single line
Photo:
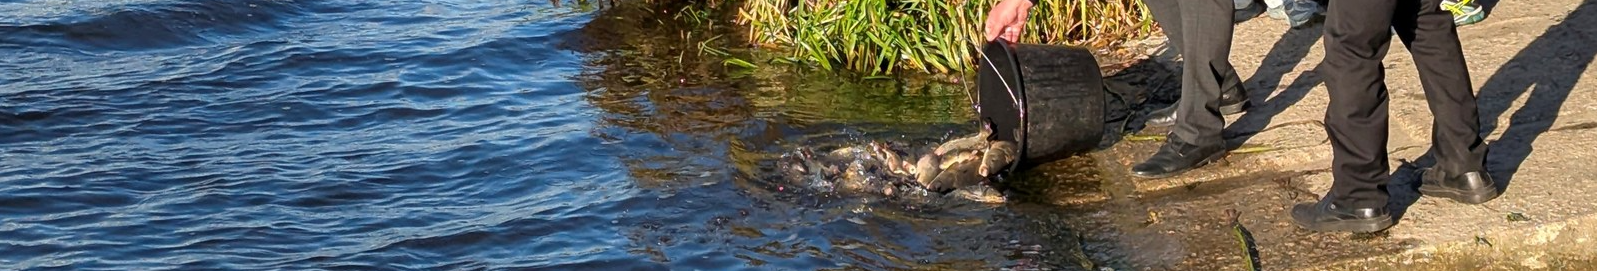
[(890, 160), (978, 193), (853, 179), (960, 174), (956, 168), (844, 153), (957, 157), (961, 144), (927, 169), (998, 156)]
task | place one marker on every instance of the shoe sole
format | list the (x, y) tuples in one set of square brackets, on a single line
[(1359, 226), (1233, 109), (1477, 196), (1200, 164), (1276, 13), (1304, 23), (1248, 13), (1469, 18)]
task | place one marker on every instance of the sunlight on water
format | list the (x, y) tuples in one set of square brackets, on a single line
[(279, 134)]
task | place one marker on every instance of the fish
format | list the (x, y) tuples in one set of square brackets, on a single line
[(844, 153), (854, 178), (959, 157), (961, 173), (956, 168), (980, 193), (890, 160), (976, 141), (999, 155), (927, 168)]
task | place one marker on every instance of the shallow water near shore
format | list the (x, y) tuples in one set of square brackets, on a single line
[(307, 135)]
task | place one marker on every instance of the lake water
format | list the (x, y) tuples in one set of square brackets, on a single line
[(450, 135)]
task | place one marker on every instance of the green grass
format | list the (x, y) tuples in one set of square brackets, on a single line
[(674, 67), (931, 36)]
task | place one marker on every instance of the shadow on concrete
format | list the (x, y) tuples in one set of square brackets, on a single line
[(1140, 88), (1546, 70), (1403, 190), (1283, 57), (1153, 87)]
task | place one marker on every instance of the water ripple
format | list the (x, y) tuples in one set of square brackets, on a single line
[(425, 135), (144, 26)]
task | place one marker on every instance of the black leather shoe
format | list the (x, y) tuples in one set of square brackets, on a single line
[(1469, 188), (1176, 157), (1326, 216), (1231, 103)]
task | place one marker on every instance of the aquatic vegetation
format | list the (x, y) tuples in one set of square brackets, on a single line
[(877, 38), (938, 37), (1249, 248)]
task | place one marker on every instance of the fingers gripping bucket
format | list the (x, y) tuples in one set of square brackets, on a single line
[(1049, 99)]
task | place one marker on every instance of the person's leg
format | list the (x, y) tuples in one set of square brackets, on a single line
[(1357, 33), (1169, 16), (1460, 171), (1206, 70), (1355, 43)]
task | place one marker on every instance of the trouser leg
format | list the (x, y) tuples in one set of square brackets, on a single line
[(1206, 48), (1430, 36), (1357, 33), (1168, 14)]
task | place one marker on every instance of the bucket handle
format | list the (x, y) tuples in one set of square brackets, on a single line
[(1013, 97)]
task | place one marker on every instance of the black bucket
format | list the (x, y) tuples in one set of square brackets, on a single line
[(1049, 99)]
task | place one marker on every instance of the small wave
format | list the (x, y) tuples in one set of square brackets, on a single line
[(156, 26)]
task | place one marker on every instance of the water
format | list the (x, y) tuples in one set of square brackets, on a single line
[(447, 135)]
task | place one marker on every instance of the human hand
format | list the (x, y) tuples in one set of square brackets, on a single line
[(1007, 19)]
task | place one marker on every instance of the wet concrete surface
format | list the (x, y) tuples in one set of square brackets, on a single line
[(1529, 68), (1087, 213), (1185, 227)]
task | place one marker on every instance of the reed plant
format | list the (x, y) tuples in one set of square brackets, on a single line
[(931, 36)]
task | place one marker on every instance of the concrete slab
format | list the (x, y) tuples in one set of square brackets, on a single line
[(1530, 62)]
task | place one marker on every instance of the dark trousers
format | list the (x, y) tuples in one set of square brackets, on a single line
[(1199, 30), (1357, 35)]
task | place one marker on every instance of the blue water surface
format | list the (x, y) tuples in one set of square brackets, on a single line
[(435, 135)]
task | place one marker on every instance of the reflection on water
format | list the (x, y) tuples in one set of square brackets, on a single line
[(717, 132), (267, 134)]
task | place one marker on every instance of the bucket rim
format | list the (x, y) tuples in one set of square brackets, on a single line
[(1001, 53)]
